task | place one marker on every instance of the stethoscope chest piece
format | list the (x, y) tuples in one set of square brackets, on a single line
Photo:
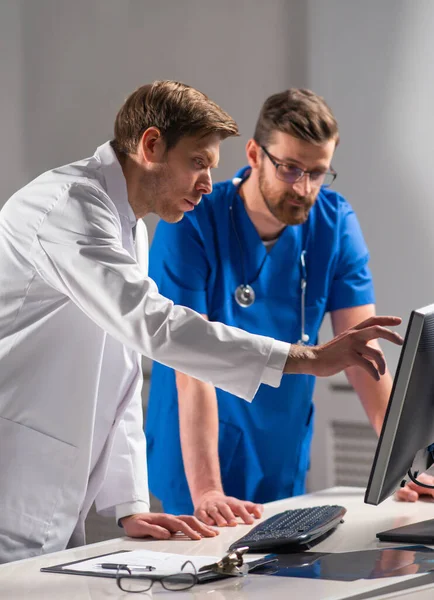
[(245, 295)]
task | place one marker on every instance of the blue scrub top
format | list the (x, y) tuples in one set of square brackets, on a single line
[(199, 262)]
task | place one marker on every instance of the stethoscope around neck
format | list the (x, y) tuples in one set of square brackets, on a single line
[(245, 295)]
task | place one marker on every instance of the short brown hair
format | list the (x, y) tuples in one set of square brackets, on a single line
[(175, 109), (299, 112)]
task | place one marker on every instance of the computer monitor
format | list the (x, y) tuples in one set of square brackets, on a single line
[(407, 435)]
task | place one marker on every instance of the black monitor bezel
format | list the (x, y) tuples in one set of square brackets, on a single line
[(375, 491)]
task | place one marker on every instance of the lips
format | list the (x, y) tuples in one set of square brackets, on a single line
[(296, 202), (190, 204), (193, 202)]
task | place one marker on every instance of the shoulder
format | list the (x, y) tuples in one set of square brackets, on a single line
[(82, 173), (62, 187), (333, 202), (332, 209), (79, 184), (336, 219)]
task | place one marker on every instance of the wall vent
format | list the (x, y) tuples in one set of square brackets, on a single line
[(353, 452)]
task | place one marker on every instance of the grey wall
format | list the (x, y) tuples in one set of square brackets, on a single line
[(12, 168), (373, 61), (66, 67)]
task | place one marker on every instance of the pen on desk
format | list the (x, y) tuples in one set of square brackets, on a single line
[(116, 567)]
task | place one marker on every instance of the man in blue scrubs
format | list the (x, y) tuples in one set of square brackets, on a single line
[(271, 252)]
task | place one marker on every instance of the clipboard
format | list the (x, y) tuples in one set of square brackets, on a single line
[(202, 577)]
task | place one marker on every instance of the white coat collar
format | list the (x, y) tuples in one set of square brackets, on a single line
[(115, 180)]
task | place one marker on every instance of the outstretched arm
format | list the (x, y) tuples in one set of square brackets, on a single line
[(349, 349)]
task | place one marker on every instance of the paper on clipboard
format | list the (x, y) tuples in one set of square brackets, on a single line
[(163, 562)]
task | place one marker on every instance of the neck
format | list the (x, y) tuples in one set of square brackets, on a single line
[(136, 185), (266, 224)]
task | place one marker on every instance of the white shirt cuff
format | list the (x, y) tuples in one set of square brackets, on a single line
[(131, 508), (276, 362)]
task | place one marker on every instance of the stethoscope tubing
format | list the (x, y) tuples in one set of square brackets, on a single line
[(244, 293)]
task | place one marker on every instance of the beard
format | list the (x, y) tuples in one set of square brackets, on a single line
[(280, 205), (164, 198)]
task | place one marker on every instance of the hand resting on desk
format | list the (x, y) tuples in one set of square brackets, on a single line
[(161, 526), (412, 492), (215, 508)]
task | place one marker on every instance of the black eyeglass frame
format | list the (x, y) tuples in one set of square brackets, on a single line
[(191, 579), (273, 159)]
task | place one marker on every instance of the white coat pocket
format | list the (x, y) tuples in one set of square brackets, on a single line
[(34, 468)]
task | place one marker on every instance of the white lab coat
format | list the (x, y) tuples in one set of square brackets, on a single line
[(76, 312)]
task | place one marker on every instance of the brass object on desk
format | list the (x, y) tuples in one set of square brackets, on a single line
[(231, 564)]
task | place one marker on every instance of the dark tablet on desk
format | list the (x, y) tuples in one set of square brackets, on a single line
[(415, 533)]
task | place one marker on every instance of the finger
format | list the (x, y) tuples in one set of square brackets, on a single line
[(366, 364), (183, 527), (406, 494), (376, 331), (219, 519), (195, 524), (378, 320), (375, 355), (411, 486), (175, 524), (242, 512), (227, 514), (255, 509), (202, 515), (139, 528), (425, 478), (422, 491)]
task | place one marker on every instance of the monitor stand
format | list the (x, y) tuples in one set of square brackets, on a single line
[(415, 533)]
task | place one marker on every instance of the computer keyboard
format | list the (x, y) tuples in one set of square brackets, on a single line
[(293, 529)]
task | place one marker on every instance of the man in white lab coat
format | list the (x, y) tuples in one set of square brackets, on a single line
[(77, 310)]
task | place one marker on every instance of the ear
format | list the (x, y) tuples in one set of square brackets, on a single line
[(152, 146), (253, 152)]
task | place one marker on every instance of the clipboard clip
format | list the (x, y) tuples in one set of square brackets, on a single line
[(232, 563)]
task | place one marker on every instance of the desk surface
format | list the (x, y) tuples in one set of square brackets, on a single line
[(22, 579)]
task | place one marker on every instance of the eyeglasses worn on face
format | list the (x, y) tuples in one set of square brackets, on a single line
[(292, 174), (177, 582)]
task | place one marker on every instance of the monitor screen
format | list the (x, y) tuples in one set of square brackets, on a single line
[(408, 428)]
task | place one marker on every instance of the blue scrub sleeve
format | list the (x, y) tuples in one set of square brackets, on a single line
[(178, 264), (352, 283)]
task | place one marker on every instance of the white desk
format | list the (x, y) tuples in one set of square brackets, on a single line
[(22, 579)]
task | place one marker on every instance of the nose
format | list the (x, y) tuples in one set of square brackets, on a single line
[(303, 186), (204, 183)]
